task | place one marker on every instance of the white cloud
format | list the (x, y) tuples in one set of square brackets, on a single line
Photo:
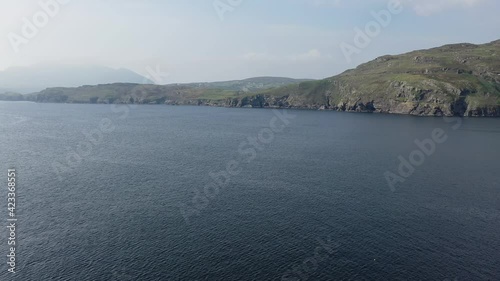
[(259, 56), (311, 55), (421, 7), (334, 3), (429, 7)]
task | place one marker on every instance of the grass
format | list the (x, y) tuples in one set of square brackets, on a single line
[(439, 74)]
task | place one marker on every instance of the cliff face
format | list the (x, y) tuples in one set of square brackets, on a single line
[(461, 79), (453, 80), (419, 108)]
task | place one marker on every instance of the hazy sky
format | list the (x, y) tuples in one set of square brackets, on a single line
[(188, 39)]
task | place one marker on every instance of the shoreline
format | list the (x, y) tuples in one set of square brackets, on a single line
[(312, 108)]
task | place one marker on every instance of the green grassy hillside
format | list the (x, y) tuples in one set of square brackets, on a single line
[(174, 93), (459, 79)]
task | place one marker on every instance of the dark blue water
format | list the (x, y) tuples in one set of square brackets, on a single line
[(309, 203)]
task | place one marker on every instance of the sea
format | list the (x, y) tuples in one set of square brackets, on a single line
[(155, 192)]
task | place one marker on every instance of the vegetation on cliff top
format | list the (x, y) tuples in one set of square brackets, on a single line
[(458, 79), (174, 93), (455, 75)]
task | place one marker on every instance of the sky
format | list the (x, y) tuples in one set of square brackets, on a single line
[(216, 40)]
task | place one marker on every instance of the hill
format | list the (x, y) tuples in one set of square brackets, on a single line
[(193, 93), (250, 84), (38, 77), (459, 79), (452, 80)]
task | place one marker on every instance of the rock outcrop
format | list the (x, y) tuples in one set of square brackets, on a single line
[(452, 80)]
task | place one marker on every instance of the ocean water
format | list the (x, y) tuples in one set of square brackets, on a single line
[(202, 193)]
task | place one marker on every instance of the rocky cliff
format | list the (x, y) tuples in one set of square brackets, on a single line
[(452, 80), (460, 79)]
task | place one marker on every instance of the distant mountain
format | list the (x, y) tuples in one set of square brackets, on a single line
[(193, 93), (39, 77), (248, 85), (9, 96), (459, 79)]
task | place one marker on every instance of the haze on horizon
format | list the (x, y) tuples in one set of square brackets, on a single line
[(192, 43)]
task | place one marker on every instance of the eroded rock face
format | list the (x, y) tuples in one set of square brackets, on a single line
[(490, 111), (452, 80), (430, 106)]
